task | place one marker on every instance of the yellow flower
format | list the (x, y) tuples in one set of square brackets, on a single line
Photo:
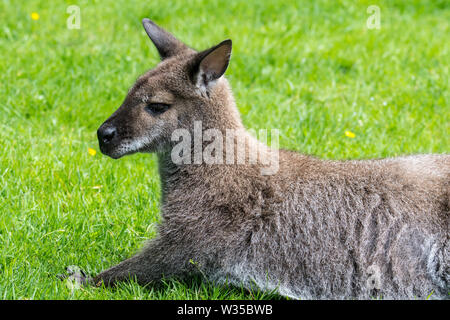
[(35, 16), (91, 151), (350, 134)]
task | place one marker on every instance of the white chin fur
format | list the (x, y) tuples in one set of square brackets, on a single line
[(131, 146)]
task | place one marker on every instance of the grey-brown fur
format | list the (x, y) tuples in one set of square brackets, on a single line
[(316, 229)]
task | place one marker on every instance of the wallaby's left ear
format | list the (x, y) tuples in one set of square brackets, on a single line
[(164, 41), (211, 64)]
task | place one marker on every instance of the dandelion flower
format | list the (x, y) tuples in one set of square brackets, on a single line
[(350, 134), (35, 16), (91, 151)]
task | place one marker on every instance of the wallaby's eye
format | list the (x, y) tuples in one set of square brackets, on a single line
[(156, 108)]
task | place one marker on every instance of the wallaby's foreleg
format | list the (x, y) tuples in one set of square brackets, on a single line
[(148, 267), (155, 262), (135, 268)]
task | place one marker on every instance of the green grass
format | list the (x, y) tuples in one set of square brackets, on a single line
[(309, 68)]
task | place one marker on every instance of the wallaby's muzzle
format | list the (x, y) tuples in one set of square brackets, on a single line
[(107, 136)]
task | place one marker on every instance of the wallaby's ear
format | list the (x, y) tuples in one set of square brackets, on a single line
[(165, 42), (211, 64)]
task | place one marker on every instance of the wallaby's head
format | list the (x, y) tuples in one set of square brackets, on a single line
[(184, 87)]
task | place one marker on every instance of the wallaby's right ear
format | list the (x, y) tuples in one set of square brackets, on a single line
[(165, 42), (210, 65)]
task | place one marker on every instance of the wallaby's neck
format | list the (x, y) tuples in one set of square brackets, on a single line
[(221, 112), (222, 115)]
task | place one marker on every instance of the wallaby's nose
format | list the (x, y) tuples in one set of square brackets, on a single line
[(106, 134)]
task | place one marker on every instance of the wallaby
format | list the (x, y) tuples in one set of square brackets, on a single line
[(314, 229)]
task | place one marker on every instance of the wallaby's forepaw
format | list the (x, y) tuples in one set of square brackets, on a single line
[(75, 277)]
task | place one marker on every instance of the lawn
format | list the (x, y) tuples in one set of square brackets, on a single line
[(312, 69)]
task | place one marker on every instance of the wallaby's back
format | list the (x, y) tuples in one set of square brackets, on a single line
[(350, 229)]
